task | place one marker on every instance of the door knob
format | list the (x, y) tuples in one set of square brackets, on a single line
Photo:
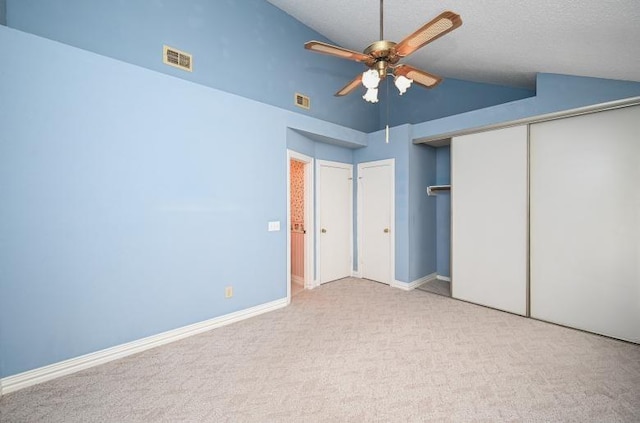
[(386, 230), (323, 230)]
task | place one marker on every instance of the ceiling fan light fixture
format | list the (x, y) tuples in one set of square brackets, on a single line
[(371, 95), (371, 79), (402, 83), (382, 57)]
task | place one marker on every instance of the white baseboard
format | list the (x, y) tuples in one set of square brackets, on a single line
[(297, 280), (63, 368), (355, 274), (443, 278), (413, 285)]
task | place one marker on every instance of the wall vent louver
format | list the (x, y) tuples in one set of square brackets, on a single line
[(176, 58), (302, 101)]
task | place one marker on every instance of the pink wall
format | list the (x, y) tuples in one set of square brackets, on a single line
[(297, 219)]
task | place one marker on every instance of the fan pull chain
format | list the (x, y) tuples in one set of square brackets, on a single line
[(386, 131)]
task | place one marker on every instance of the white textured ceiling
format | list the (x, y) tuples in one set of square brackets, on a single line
[(500, 41)]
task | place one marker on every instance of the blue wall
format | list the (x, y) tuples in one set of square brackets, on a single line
[(249, 48), (451, 97), (3, 12), (125, 213), (318, 150)]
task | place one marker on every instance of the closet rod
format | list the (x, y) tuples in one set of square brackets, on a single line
[(434, 189)]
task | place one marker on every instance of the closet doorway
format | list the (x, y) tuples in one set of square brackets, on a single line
[(438, 194), (300, 208)]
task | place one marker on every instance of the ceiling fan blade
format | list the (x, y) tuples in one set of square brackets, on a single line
[(347, 89), (419, 76), (444, 23), (343, 53)]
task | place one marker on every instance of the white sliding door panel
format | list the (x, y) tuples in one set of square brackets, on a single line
[(585, 222), (489, 218)]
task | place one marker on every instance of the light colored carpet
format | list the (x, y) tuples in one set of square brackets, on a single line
[(356, 350), (296, 289), (437, 286)]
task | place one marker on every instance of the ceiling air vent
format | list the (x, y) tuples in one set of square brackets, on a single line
[(302, 101), (177, 58)]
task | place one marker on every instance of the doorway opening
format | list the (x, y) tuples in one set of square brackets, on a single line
[(440, 193), (300, 268)]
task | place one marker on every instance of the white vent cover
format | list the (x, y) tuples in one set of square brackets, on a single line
[(176, 58), (302, 101)]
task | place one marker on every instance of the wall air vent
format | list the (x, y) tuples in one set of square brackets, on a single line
[(176, 58), (302, 101)]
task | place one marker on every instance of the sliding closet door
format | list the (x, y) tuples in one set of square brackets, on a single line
[(489, 218), (585, 222)]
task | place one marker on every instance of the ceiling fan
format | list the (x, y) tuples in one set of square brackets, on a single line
[(382, 56)]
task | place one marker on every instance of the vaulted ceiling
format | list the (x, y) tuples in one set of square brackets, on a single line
[(501, 41)]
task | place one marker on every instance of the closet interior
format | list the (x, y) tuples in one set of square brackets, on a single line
[(440, 191)]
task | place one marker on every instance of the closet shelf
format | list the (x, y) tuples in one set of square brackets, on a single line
[(435, 189)]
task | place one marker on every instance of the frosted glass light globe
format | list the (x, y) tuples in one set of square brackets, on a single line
[(402, 83), (370, 78), (371, 95)]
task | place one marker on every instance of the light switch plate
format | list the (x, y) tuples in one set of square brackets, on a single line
[(274, 226)]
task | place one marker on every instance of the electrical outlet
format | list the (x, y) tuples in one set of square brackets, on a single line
[(228, 292)]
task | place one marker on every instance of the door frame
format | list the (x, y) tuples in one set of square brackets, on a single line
[(349, 167), (309, 220), (392, 227)]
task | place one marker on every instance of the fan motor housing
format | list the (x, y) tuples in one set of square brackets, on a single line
[(383, 50)]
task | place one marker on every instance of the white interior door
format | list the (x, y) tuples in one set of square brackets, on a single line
[(375, 220), (335, 199), (585, 222), (489, 218)]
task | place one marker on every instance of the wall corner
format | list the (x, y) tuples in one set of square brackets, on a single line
[(3, 12)]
